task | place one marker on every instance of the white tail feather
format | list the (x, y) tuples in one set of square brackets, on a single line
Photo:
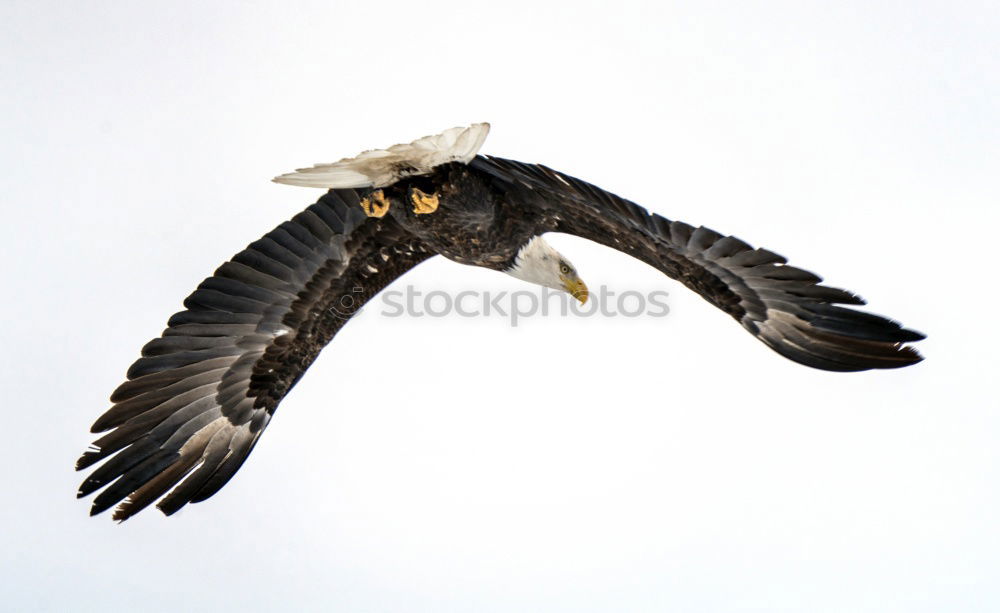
[(381, 167)]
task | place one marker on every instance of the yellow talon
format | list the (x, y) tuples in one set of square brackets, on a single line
[(375, 205), (423, 203)]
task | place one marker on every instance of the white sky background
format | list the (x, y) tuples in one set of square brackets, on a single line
[(570, 464)]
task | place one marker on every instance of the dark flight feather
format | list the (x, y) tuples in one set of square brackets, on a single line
[(783, 306), (201, 394)]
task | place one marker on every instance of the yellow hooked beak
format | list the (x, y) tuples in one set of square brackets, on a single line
[(576, 288)]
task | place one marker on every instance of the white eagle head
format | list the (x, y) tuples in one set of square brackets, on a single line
[(538, 262)]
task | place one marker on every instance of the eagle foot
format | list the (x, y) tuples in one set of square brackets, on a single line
[(375, 204), (423, 203)]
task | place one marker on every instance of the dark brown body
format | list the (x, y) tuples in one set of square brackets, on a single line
[(474, 224)]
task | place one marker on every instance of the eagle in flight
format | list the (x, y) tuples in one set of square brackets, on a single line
[(198, 399)]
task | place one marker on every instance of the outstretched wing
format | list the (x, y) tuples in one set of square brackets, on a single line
[(200, 396), (783, 306)]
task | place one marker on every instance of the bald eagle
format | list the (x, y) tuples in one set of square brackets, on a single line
[(198, 399)]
